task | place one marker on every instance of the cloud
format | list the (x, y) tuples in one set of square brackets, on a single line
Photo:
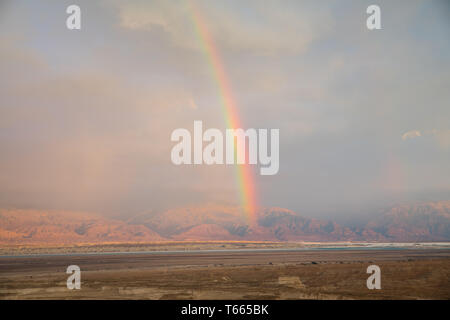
[(411, 134), (442, 137), (261, 28), (86, 117)]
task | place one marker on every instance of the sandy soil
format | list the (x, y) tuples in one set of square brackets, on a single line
[(312, 274)]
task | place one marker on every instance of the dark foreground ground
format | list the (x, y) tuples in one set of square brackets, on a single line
[(277, 274)]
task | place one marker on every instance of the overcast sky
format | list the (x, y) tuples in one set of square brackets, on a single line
[(86, 115)]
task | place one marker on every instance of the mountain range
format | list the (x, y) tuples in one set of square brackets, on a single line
[(418, 222)]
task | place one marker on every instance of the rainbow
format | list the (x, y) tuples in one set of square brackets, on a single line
[(244, 174)]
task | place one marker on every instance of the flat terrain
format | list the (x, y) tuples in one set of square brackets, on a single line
[(231, 274)]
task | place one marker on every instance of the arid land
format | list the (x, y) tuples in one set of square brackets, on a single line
[(255, 271)]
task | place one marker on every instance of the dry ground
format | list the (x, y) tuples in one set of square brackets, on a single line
[(315, 274)]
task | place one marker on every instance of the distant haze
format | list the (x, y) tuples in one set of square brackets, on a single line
[(86, 116), (406, 223)]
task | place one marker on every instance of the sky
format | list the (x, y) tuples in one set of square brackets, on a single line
[(86, 115)]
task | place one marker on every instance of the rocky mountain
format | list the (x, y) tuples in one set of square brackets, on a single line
[(56, 227), (418, 222), (414, 222), (410, 222)]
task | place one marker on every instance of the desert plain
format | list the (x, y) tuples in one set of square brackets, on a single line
[(226, 271)]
